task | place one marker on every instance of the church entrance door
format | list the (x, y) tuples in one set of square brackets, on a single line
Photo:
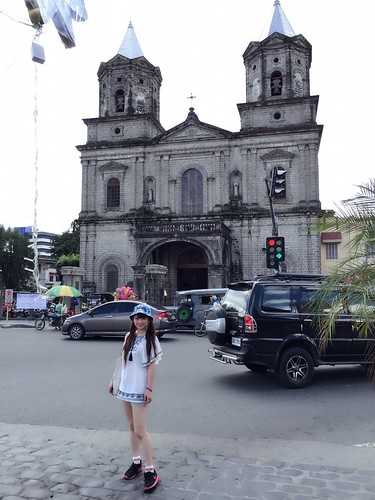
[(187, 266)]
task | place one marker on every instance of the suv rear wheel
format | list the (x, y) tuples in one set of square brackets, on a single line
[(296, 368)]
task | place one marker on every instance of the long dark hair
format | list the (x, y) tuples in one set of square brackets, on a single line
[(150, 339)]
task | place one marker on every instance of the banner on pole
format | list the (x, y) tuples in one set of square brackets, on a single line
[(31, 301), (8, 296)]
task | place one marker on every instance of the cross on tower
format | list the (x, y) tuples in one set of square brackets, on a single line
[(191, 97)]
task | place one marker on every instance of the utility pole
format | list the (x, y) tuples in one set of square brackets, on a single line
[(275, 231)]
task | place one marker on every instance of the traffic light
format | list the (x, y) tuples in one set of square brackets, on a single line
[(278, 186), (275, 251)]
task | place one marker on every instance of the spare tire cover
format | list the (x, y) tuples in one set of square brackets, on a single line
[(184, 313)]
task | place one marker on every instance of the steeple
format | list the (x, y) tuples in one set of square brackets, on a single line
[(280, 23), (130, 47)]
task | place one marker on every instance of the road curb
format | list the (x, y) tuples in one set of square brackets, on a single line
[(16, 325)]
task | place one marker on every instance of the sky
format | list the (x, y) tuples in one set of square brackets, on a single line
[(198, 45)]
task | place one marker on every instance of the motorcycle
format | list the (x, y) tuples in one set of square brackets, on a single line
[(54, 320)]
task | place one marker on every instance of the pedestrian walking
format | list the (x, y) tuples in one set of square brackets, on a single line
[(141, 354)]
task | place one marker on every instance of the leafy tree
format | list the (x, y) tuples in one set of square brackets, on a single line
[(350, 287), (67, 243), (13, 249), (71, 259)]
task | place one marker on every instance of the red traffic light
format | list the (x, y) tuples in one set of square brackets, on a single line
[(271, 243)]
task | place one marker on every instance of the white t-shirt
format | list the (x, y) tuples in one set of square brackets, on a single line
[(134, 373)]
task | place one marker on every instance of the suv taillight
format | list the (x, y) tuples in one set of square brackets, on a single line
[(163, 315), (250, 325)]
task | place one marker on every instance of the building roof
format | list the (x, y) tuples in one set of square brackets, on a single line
[(280, 22), (130, 47)]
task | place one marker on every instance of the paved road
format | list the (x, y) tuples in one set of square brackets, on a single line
[(220, 433), (48, 379)]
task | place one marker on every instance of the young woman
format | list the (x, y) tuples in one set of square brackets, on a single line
[(141, 353)]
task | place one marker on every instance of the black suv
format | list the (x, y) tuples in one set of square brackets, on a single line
[(268, 323)]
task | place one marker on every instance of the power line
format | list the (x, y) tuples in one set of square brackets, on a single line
[(15, 20)]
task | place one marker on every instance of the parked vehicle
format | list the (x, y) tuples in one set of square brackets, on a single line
[(90, 300), (112, 318), (191, 306), (272, 326)]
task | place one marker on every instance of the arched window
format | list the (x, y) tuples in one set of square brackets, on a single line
[(192, 192), (113, 193), (276, 83), (120, 101), (111, 278)]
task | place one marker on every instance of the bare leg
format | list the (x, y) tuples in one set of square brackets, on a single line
[(135, 441), (139, 418)]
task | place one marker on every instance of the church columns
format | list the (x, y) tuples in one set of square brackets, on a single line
[(252, 182), (172, 186), (85, 191), (91, 185), (139, 176), (224, 176), (91, 271), (210, 193), (246, 180), (218, 174), (216, 276), (314, 173), (164, 174), (303, 173), (139, 281), (131, 193)]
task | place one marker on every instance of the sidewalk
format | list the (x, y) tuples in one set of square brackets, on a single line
[(16, 323), (70, 464)]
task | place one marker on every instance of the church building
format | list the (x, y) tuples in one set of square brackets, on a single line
[(187, 207)]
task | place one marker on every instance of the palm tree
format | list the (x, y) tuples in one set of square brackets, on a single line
[(350, 287)]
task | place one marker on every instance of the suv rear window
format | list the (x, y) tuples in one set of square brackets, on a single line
[(276, 299), (234, 301)]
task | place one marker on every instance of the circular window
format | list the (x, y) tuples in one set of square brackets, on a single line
[(276, 60), (254, 67), (141, 81), (277, 115), (117, 130), (298, 61)]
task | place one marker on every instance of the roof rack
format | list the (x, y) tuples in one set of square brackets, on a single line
[(241, 285), (291, 277)]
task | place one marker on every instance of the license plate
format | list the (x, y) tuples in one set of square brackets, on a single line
[(236, 341)]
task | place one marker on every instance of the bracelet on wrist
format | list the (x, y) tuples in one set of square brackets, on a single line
[(149, 389)]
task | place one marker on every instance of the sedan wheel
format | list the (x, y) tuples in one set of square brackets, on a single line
[(296, 368), (76, 332)]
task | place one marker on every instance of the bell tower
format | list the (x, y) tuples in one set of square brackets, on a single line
[(129, 94), (278, 74)]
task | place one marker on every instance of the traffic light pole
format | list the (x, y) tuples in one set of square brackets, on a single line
[(275, 231)]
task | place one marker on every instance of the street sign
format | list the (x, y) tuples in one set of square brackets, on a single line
[(8, 296)]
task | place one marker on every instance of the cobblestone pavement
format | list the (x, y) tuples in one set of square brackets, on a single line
[(70, 464)]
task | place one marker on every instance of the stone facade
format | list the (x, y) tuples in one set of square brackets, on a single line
[(193, 198)]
